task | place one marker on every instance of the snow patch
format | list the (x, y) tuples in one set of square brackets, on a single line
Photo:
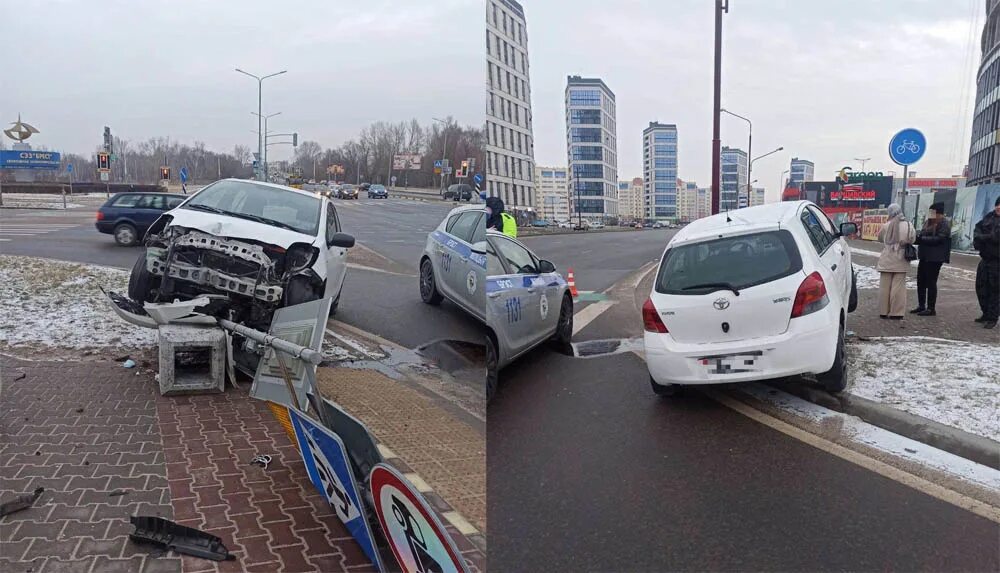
[(951, 382), (868, 278), (57, 304)]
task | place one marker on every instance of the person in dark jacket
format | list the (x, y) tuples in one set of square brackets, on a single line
[(986, 240), (934, 242), (494, 210)]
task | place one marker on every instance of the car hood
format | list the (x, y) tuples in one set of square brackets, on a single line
[(236, 228)]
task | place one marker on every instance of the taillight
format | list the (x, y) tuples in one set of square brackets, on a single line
[(811, 296), (651, 320), (100, 216)]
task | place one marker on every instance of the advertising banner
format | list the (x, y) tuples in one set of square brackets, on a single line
[(329, 470), (871, 222), (16, 159), (409, 161)]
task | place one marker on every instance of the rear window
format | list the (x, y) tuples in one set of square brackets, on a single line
[(127, 200), (742, 261)]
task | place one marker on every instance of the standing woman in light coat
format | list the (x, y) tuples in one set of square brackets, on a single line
[(892, 265)]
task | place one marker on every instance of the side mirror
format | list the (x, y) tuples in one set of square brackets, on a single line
[(848, 229), (342, 240), (546, 266), (479, 248)]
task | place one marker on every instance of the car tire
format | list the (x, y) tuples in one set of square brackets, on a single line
[(298, 291), (492, 373), (852, 302), (665, 390), (562, 340), (141, 282), (126, 234), (336, 301), (835, 379), (428, 286)]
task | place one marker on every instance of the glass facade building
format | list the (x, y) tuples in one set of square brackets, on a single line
[(734, 178), (659, 155), (984, 155), (800, 171), (510, 155), (592, 148)]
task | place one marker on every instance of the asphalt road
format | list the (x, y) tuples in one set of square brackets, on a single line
[(382, 303), (590, 471)]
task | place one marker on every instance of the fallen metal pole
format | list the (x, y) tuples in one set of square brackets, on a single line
[(300, 352)]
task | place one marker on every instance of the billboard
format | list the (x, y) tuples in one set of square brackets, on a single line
[(870, 193), (18, 159), (404, 161)]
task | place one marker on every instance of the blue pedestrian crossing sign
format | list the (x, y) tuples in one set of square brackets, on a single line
[(478, 178), (907, 146), (438, 164), (326, 461)]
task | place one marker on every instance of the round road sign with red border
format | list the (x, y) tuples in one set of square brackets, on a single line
[(418, 540)]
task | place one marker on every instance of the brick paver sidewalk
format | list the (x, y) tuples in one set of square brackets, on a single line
[(84, 430)]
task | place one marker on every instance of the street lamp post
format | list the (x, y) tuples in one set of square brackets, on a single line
[(260, 111), (863, 160), (263, 158), (720, 7), (750, 166), (444, 150)]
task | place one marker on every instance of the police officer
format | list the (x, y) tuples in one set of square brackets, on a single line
[(986, 240), (509, 224), (494, 208)]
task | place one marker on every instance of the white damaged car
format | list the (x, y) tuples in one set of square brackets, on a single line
[(238, 250)]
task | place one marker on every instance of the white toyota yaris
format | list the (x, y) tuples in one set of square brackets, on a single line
[(753, 294)]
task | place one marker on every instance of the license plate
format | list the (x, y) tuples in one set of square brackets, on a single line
[(732, 364)]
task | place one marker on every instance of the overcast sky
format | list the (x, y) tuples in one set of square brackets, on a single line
[(165, 68), (828, 81)]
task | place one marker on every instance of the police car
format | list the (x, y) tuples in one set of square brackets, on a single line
[(449, 267), (527, 303)]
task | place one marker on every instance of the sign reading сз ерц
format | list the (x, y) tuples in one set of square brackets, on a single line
[(17, 159)]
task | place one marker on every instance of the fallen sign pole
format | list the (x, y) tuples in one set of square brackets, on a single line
[(304, 353)]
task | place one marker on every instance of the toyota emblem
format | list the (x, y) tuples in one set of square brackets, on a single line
[(721, 303)]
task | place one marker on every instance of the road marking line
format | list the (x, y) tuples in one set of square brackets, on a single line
[(351, 343), (885, 470), (375, 270), (584, 317), (18, 234)]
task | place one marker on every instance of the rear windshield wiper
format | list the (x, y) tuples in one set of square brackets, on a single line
[(716, 286)]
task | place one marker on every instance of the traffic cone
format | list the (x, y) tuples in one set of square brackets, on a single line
[(572, 283)]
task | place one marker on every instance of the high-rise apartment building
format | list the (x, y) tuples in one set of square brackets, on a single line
[(592, 147), (800, 171), (734, 178), (659, 153), (984, 155), (757, 196), (510, 156), (552, 193)]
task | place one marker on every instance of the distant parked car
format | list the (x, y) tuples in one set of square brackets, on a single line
[(377, 191), (638, 225), (565, 225), (597, 225), (458, 192), (365, 186), (127, 215)]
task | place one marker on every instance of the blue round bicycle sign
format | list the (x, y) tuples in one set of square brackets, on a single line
[(907, 146)]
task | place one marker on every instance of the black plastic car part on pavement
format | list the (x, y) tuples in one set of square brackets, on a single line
[(128, 215)]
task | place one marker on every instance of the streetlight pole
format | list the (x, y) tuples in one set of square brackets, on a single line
[(750, 166), (720, 7), (260, 111), (444, 151), (749, 150), (263, 158), (863, 160)]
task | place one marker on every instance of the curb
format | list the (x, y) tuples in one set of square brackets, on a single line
[(952, 440), (449, 515), (522, 233)]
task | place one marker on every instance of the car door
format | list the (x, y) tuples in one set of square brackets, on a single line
[(461, 278), (840, 248), (499, 290), (336, 257), (823, 241), (524, 310)]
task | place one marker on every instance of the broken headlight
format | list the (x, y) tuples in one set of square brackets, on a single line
[(300, 256)]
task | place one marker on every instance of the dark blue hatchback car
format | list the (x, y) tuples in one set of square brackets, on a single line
[(127, 215)]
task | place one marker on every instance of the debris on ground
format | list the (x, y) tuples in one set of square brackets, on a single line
[(20, 502), (178, 538), (261, 461), (951, 382), (129, 363), (118, 493)]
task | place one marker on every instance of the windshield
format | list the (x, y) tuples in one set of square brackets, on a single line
[(377, 188), (736, 262), (268, 205)]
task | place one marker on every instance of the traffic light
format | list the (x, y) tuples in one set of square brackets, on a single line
[(164, 173), (103, 162), (295, 140)]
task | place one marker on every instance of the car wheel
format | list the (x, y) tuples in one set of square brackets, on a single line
[(562, 340), (141, 282), (336, 301), (492, 375), (835, 379), (665, 390), (298, 291), (428, 288), (126, 234), (852, 303)]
